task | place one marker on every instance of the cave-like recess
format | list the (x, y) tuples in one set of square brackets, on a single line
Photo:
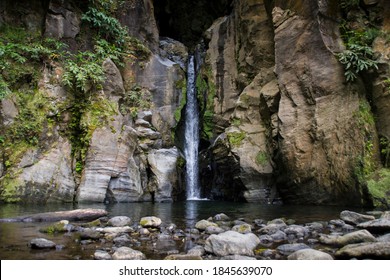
[(186, 20)]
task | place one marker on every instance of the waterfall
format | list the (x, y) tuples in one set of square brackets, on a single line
[(191, 134)]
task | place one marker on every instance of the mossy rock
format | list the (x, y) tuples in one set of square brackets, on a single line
[(59, 227), (379, 188)]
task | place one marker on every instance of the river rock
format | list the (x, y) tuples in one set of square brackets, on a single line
[(296, 231), (41, 243), (350, 238), (60, 227), (196, 251), (232, 243), (377, 226), (287, 249), (101, 255), (279, 236), (237, 257), (385, 215), (384, 238), (203, 224), (309, 254), (221, 217), (122, 240), (243, 228), (151, 221), (119, 221), (376, 250), (272, 228), (126, 253), (355, 218), (115, 230), (266, 240), (89, 234), (214, 230)]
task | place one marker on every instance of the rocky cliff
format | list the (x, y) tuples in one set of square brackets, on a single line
[(293, 100)]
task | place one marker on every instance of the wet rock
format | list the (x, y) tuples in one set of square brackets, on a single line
[(376, 226), (196, 251), (59, 227), (279, 236), (41, 243), (242, 228), (232, 243), (266, 240), (101, 255), (355, 218), (203, 224), (221, 217), (287, 249), (152, 222), (309, 254), (296, 231), (89, 234), (376, 250), (126, 253), (122, 240), (115, 230), (214, 230), (119, 221)]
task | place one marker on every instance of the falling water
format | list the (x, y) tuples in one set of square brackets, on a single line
[(191, 133)]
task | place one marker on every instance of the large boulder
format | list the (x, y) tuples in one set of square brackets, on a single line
[(163, 164), (355, 218), (232, 243), (359, 236)]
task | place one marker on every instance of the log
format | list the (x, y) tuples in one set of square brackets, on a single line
[(72, 215)]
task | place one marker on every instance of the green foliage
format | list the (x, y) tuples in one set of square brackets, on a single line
[(349, 4), (235, 138), (357, 58), (385, 151), (379, 188), (108, 27), (21, 54), (135, 99), (83, 72)]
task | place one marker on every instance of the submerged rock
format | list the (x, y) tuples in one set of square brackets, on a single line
[(41, 243)]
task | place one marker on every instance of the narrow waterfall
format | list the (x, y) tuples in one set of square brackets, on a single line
[(191, 133)]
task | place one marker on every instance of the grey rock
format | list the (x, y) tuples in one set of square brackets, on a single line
[(196, 251), (279, 236), (214, 230), (287, 249), (298, 231), (266, 240), (360, 236), (221, 217), (272, 228), (203, 224), (150, 221), (41, 243), (119, 221), (377, 226), (122, 240), (89, 234), (309, 254), (126, 253), (243, 228), (101, 255), (377, 250), (115, 230), (355, 218), (237, 257), (384, 238), (232, 243)]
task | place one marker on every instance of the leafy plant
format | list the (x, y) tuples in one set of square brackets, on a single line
[(235, 138), (261, 158)]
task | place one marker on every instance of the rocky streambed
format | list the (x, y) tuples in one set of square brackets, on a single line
[(352, 236)]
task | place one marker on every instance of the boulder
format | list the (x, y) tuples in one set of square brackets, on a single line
[(309, 254), (355, 218), (151, 221), (41, 243), (350, 238), (119, 221), (376, 226), (232, 243), (375, 250), (163, 164), (126, 253)]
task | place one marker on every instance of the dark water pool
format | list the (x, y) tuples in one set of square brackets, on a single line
[(14, 237)]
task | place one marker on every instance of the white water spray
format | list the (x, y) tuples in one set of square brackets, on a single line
[(191, 134)]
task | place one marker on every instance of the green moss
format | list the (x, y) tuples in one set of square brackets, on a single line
[(54, 228), (235, 138), (379, 188), (9, 189), (181, 85), (261, 158)]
